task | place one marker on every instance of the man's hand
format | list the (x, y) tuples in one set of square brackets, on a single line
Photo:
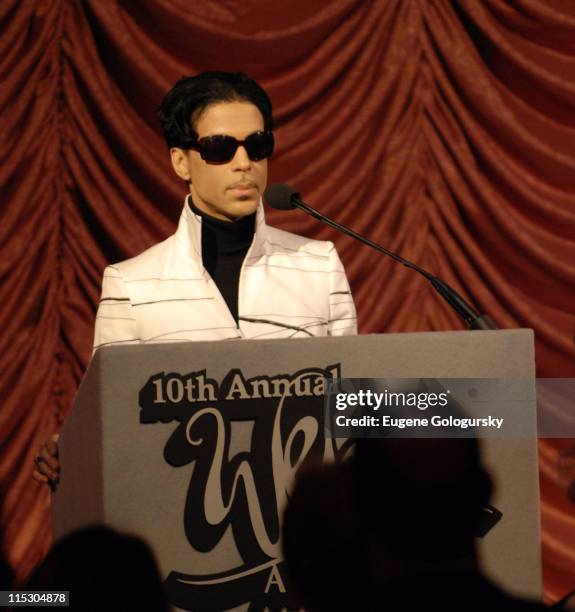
[(46, 461)]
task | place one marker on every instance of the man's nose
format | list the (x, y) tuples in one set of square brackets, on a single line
[(241, 160)]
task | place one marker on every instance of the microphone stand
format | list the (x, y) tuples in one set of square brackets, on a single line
[(463, 309)]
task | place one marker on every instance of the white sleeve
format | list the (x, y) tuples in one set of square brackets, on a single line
[(115, 321), (343, 318)]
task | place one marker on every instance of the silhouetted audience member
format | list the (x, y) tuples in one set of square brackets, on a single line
[(325, 563), (103, 570), (408, 511)]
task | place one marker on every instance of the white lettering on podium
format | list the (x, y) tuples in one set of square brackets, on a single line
[(193, 388), (275, 579), (218, 508)]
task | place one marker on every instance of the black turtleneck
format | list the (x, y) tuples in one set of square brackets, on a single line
[(224, 246)]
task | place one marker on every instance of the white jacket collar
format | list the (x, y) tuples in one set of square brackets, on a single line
[(189, 233)]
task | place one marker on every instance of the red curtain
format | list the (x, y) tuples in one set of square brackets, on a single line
[(443, 129)]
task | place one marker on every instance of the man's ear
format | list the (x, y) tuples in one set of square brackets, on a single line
[(180, 163)]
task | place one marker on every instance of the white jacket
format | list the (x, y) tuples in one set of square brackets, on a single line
[(289, 286)]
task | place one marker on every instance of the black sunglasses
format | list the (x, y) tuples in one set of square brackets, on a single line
[(219, 149)]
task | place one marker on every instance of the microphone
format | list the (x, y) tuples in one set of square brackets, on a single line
[(284, 197)]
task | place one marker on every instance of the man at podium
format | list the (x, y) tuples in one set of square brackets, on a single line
[(224, 274)]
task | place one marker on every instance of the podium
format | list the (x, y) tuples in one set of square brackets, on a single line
[(194, 446)]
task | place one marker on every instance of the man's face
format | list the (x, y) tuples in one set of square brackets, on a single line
[(233, 189)]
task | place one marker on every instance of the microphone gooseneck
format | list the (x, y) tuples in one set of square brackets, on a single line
[(284, 197)]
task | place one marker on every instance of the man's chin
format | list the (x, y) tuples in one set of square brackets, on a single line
[(241, 208)]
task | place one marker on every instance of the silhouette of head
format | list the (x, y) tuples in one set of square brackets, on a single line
[(319, 538), (421, 498), (103, 570)]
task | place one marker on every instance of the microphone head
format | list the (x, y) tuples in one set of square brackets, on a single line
[(281, 196)]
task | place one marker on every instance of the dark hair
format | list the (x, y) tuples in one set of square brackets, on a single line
[(432, 491), (190, 96), (99, 565)]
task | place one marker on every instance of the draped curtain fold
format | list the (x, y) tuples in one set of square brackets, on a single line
[(442, 129)]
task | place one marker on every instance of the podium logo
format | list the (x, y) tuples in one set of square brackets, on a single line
[(245, 438)]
